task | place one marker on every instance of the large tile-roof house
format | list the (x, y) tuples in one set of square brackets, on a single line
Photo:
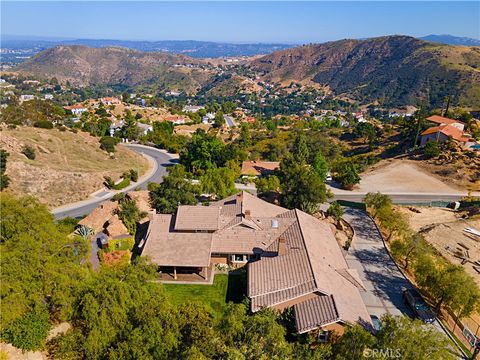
[(446, 129), (293, 258)]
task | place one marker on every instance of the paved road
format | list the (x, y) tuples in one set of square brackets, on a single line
[(404, 198), (229, 120), (381, 277), (161, 160)]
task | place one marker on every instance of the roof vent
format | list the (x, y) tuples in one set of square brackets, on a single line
[(274, 224)]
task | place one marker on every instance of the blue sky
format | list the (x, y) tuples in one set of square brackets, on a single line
[(289, 22)]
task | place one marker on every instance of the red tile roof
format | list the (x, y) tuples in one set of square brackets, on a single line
[(448, 130), (442, 120)]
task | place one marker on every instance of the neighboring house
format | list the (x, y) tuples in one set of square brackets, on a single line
[(176, 119), (116, 125), (293, 258), (446, 129), (144, 128), (76, 109), (24, 97), (208, 118), (48, 97), (192, 108), (110, 101), (258, 168)]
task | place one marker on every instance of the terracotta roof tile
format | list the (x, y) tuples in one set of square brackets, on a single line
[(314, 313)]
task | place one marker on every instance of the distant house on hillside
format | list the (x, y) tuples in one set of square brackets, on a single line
[(76, 109), (176, 119), (144, 128), (192, 108), (25, 97), (446, 129), (293, 259), (110, 101), (258, 168)]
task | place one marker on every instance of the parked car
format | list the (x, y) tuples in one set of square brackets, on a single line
[(415, 301), (376, 324)]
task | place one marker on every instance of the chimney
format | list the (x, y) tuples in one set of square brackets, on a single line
[(282, 246), (248, 215)]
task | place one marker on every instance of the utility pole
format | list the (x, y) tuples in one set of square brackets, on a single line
[(447, 107), (421, 115)]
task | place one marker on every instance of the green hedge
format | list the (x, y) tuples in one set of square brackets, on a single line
[(122, 184)]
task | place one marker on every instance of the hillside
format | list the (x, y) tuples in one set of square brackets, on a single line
[(68, 167), (83, 65), (395, 70)]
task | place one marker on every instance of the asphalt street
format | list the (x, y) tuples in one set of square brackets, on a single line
[(161, 159)]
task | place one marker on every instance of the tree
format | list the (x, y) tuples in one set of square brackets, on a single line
[(335, 210), (219, 182), (431, 150), (175, 190), (300, 149), (268, 184), (366, 131), (29, 152), (301, 187), (347, 174), (29, 331), (4, 179), (40, 264), (108, 143), (202, 152), (219, 120), (377, 201), (245, 139), (411, 340), (321, 166), (130, 214), (130, 129), (353, 344)]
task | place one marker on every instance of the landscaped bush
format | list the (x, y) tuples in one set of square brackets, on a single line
[(43, 124), (120, 244), (121, 185), (108, 143), (431, 150), (29, 152), (29, 331)]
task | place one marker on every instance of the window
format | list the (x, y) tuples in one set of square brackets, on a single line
[(323, 336), (239, 258)]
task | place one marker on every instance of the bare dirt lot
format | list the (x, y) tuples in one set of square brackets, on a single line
[(68, 167), (444, 229), (403, 176)]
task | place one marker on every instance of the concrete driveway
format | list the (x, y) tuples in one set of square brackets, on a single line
[(381, 277)]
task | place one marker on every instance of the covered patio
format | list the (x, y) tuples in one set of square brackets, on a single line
[(181, 274)]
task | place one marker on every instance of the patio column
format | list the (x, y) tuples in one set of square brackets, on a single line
[(206, 272), (175, 272)]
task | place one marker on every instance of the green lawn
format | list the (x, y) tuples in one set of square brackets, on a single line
[(224, 288)]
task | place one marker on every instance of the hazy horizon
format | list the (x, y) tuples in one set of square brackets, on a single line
[(238, 22)]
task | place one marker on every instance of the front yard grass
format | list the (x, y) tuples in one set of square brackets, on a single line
[(225, 288)]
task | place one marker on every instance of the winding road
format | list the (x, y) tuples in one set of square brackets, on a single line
[(160, 160)]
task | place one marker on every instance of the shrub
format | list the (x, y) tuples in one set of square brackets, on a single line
[(109, 183), (347, 175), (431, 150), (133, 175), (108, 143), (30, 331), (29, 152), (43, 124), (335, 211), (121, 185)]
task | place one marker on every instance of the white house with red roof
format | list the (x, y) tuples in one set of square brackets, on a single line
[(446, 129)]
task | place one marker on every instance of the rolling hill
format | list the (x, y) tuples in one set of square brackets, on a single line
[(83, 65), (393, 70)]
